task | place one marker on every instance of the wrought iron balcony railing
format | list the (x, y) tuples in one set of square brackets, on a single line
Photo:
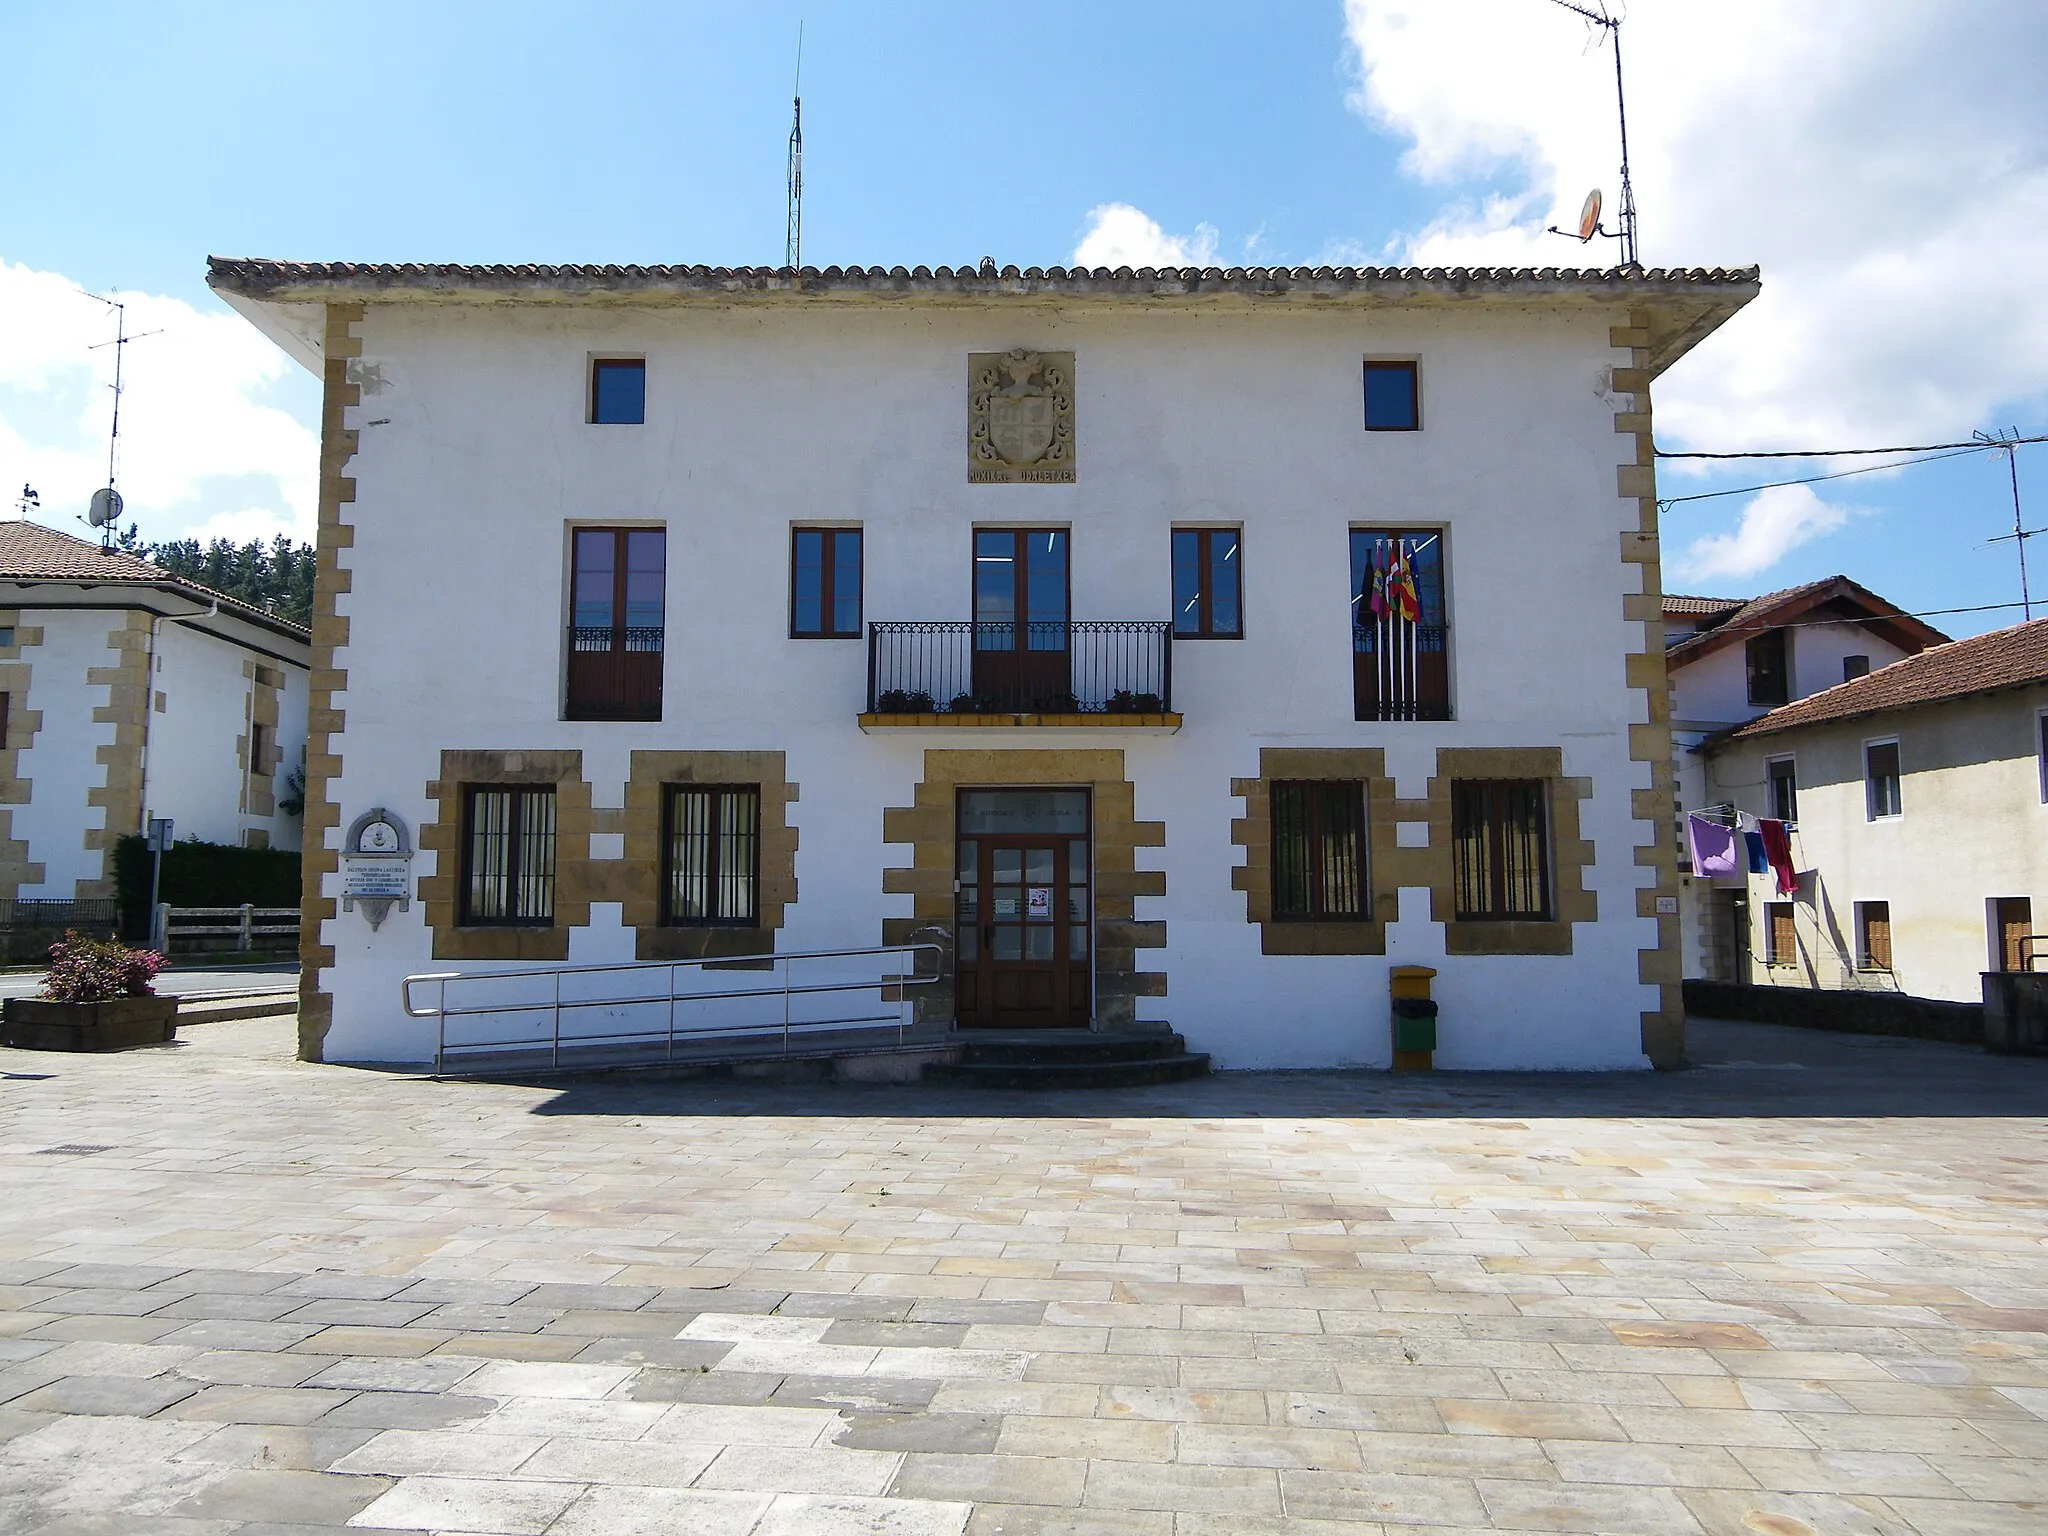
[(968, 667), (1400, 671), (614, 672)]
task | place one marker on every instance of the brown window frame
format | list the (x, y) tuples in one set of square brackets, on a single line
[(1772, 671), (1781, 945), (2012, 920), (1482, 807), (1317, 799), (1205, 583), (1854, 667), (1873, 936), (715, 877), (828, 594), (520, 798), (633, 690), (1408, 366)]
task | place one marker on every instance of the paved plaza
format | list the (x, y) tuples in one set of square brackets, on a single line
[(1799, 1288)]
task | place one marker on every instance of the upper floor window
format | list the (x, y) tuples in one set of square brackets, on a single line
[(1319, 851), (825, 583), (1854, 667), (1392, 403), (1770, 672), (1206, 584), (1873, 935), (712, 856), (1784, 783), (1881, 780), (1781, 934), (1400, 644), (259, 749), (2040, 738), (1500, 849), (508, 865), (615, 623), (618, 390)]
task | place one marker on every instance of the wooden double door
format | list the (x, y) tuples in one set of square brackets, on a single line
[(1025, 916), (1021, 652)]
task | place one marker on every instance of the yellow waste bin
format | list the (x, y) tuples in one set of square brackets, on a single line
[(1412, 1017)]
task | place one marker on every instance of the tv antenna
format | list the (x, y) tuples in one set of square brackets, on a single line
[(2009, 444), (1589, 215), (105, 509), (793, 240)]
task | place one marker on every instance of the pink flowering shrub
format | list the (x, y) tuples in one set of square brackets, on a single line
[(88, 970)]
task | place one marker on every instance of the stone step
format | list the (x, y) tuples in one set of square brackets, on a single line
[(1023, 1047), (1068, 1074), (220, 1008)]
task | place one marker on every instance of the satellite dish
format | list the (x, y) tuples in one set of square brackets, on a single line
[(1589, 216), (106, 507)]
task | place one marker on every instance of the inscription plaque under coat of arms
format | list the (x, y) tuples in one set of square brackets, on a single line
[(1020, 417)]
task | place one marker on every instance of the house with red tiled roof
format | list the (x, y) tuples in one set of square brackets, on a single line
[(1731, 659), (1919, 796), (128, 693)]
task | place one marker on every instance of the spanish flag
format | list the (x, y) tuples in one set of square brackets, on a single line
[(1401, 594)]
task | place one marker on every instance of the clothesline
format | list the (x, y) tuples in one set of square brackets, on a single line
[(1721, 847)]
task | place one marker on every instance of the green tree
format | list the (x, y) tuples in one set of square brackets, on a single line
[(277, 577)]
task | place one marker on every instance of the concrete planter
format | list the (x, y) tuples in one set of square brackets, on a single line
[(35, 1024)]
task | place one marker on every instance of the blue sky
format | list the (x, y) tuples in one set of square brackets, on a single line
[(1867, 155)]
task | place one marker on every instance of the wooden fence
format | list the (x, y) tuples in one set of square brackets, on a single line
[(244, 924)]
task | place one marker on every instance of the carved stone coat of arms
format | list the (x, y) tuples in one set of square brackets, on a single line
[(1020, 417)]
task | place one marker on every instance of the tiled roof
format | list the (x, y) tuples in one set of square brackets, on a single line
[(1677, 606), (2005, 658), (1786, 605), (262, 278), (31, 552)]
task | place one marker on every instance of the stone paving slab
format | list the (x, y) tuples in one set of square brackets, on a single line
[(1801, 1288)]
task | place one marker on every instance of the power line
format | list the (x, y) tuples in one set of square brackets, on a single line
[(1843, 453), (1759, 626), (1840, 474)]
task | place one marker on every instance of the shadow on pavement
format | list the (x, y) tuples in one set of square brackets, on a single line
[(1737, 1071)]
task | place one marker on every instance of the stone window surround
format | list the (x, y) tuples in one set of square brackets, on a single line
[(266, 686), (930, 825), (22, 725), (634, 881), (1570, 855), (575, 876)]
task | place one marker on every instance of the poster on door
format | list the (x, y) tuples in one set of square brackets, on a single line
[(1038, 904)]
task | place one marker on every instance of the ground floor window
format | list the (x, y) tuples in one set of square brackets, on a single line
[(509, 856), (1319, 850), (1500, 844), (712, 855), (1781, 938), (1874, 935)]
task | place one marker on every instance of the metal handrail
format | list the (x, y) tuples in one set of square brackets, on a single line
[(441, 1012)]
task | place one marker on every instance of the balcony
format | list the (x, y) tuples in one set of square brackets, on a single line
[(614, 673), (1400, 671), (1115, 673)]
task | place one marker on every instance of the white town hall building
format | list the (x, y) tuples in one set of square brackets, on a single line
[(1185, 647)]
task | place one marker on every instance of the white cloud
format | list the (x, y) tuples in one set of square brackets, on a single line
[(1773, 524), (215, 421), (1884, 161), (1119, 235)]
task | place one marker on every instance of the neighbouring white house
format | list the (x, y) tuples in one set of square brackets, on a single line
[(1733, 659), (1182, 647), (127, 693), (1920, 796)]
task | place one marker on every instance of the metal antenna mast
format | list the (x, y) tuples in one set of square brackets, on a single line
[(106, 505), (1612, 26), (793, 241), (2010, 443)]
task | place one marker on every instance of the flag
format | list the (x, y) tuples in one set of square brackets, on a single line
[(1376, 599), (1401, 594)]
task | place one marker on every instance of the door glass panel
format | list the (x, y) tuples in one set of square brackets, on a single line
[(1077, 863), (1077, 943), (1009, 865), (646, 561), (970, 903), (1045, 564), (1077, 904), (991, 811), (596, 557), (970, 856), (995, 590), (969, 941), (1009, 906), (1037, 943), (1038, 866), (1009, 944)]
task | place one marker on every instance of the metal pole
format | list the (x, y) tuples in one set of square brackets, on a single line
[(2012, 467), (671, 1011), (555, 1055), (441, 1028), (784, 963)]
